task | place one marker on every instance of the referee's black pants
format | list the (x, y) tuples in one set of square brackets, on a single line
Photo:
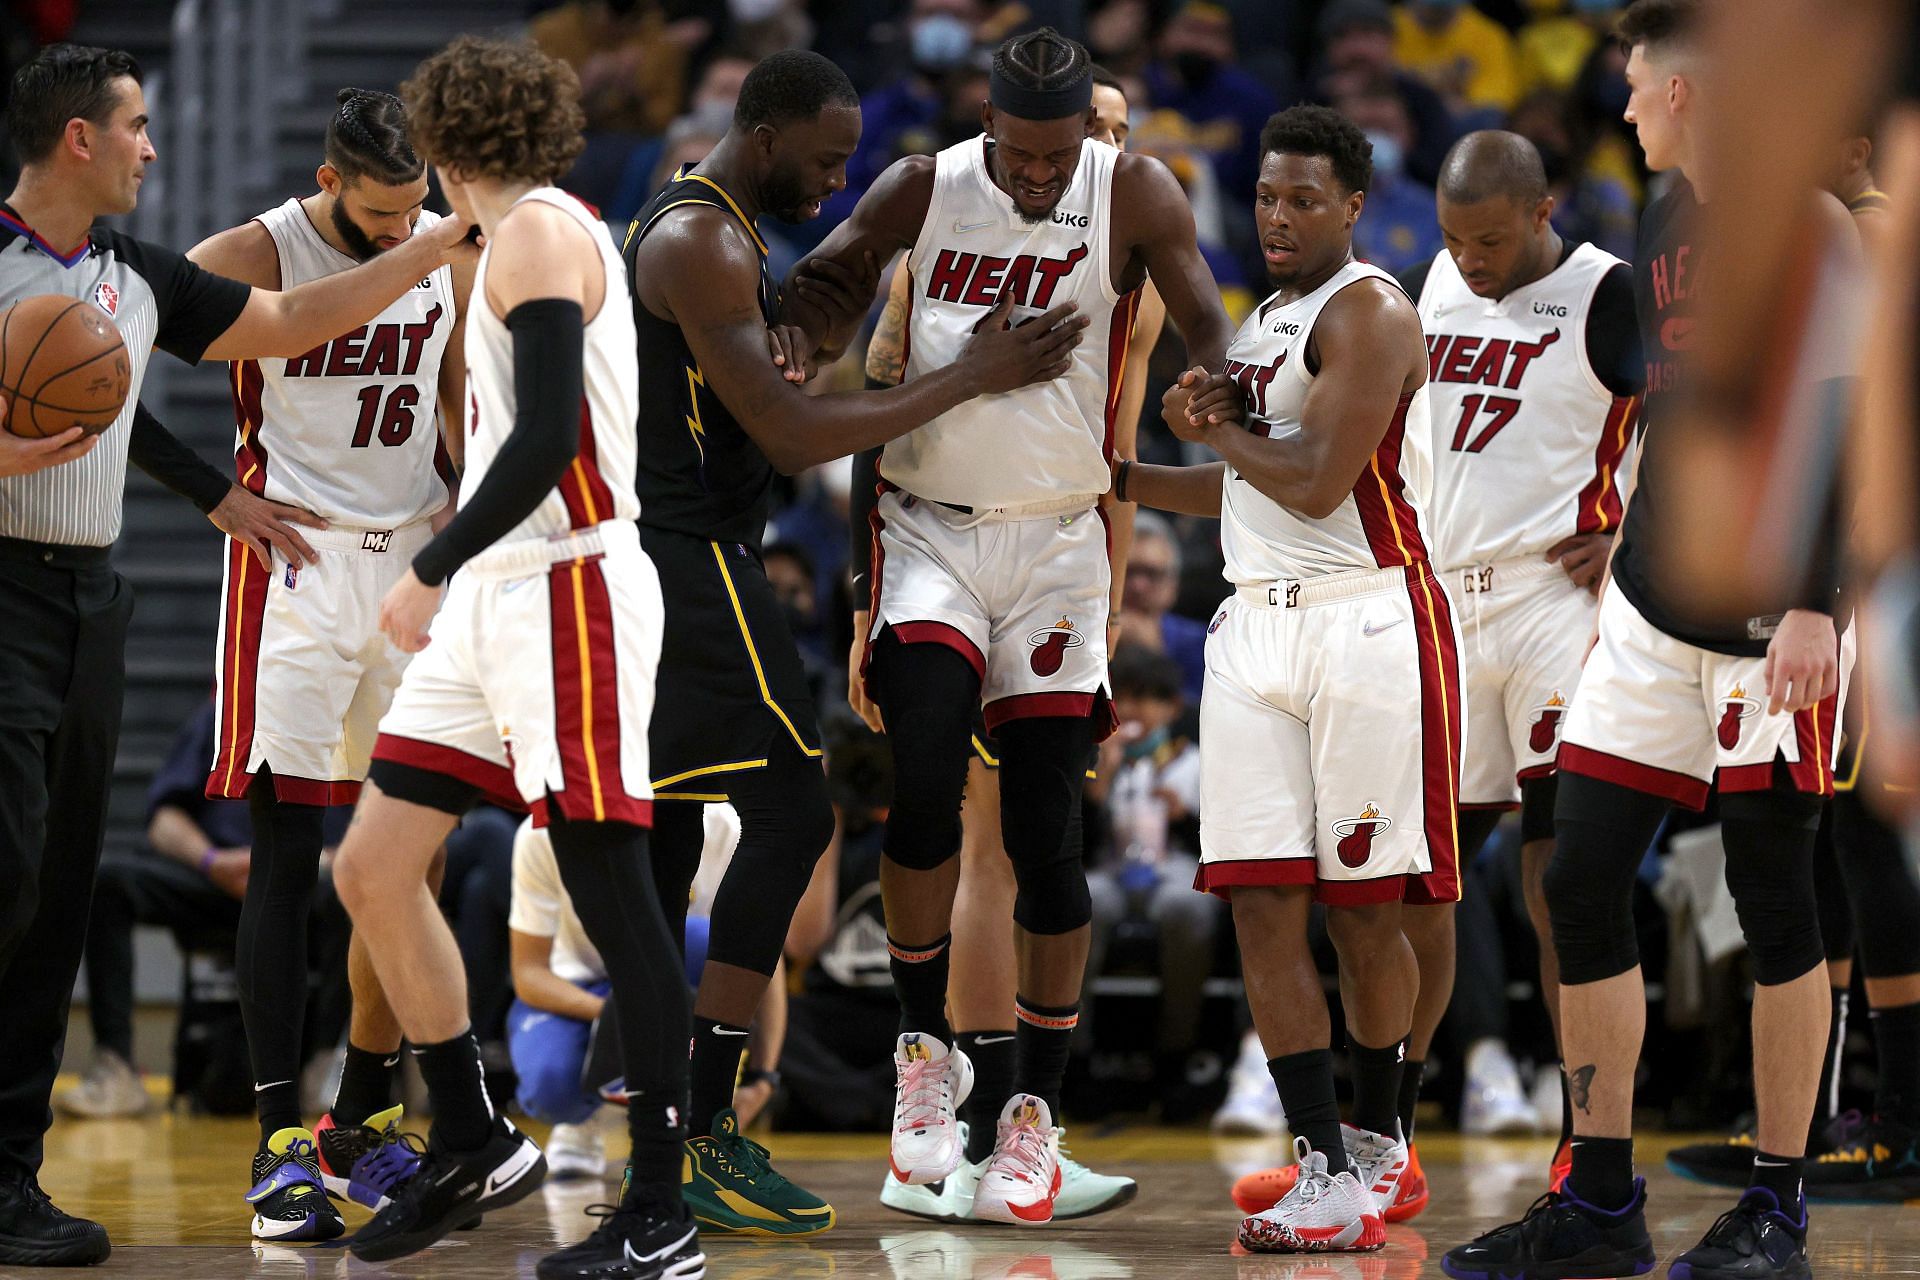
[(63, 634)]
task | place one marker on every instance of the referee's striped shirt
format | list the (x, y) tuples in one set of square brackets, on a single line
[(156, 298)]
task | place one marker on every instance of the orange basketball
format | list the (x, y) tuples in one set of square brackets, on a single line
[(62, 364)]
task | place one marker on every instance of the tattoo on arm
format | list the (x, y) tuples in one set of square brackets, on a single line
[(886, 350), (1580, 1086)]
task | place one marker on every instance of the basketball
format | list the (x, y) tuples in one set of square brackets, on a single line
[(62, 364)]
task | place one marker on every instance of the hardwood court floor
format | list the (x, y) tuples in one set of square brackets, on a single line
[(169, 1190)]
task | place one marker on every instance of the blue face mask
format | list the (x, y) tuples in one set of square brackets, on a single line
[(941, 42), (1387, 156), (1595, 6)]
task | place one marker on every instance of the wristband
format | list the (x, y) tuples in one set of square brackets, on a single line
[(754, 1075), (1120, 479), (206, 860)]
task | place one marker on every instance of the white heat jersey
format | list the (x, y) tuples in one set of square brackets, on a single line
[(599, 484), (1376, 526), (1040, 442), (347, 430), (1528, 445)]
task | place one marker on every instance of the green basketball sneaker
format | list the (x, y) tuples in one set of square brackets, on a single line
[(732, 1187)]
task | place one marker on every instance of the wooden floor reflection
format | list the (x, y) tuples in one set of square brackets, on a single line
[(169, 1190)]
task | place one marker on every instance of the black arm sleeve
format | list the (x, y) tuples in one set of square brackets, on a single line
[(194, 306), (1613, 334), (1414, 279), (549, 342), (860, 504), (153, 449)]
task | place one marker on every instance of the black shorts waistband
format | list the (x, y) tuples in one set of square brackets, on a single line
[(57, 555)]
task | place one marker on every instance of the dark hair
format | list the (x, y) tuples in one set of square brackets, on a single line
[(1657, 22), (1106, 79), (1042, 61), (794, 84), (367, 138), (496, 109), (1321, 131), (1492, 162), (1142, 673), (63, 82), (792, 551)]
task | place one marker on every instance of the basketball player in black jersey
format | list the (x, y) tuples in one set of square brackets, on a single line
[(1664, 706), (733, 719)]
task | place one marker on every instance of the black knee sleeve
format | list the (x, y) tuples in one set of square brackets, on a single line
[(270, 960), (1880, 887), (423, 787), (1537, 799), (786, 822), (673, 849), (1830, 892), (1769, 838), (927, 693), (1601, 832), (1475, 828), (1043, 767)]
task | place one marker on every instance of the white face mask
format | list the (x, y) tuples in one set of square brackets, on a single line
[(750, 11)]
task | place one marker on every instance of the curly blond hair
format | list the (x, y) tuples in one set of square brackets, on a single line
[(495, 109)]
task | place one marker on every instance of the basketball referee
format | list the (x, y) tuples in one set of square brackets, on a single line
[(79, 121)]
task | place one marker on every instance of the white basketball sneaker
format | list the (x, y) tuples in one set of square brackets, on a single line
[(948, 1200), (1323, 1213), (1083, 1192), (1378, 1161), (929, 1084), (1023, 1177)]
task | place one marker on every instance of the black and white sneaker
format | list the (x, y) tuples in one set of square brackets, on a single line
[(632, 1242), (450, 1189)]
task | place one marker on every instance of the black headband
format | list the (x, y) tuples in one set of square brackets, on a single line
[(1039, 104)]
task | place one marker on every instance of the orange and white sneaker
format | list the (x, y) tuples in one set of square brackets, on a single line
[(1561, 1167), (930, 1082), (1264, 1188), (1321, 1213), (1023, 1177), (1379, 1163)]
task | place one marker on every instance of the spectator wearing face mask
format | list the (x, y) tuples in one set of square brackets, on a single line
[(1194, 75), (1147, 622), (1356, 40), (1398, 225), (939, 43), (1467, 57)]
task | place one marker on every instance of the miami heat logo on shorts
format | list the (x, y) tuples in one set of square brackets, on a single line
[(1356, 835), (1737, 707), (1050, 645), (1545, 730)]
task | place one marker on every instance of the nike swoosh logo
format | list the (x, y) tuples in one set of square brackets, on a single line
[(961, 228), (262, 1088), (993, 1039), (640, 1259), (722, 1031), (509, 1173), (1371, 629)]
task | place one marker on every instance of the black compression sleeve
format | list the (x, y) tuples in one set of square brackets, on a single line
[(864, 498), (153, 449), (549, 341), (1613, 334)]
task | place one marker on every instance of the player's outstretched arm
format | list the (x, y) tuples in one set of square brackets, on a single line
[(1348, 408), (827, 293), (545, 282), (299, 319), (1190, 491), (704, 273), (1158, 215)]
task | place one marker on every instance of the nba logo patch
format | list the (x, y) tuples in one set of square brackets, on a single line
[(293, 575), (107, 298), (1218, 618)]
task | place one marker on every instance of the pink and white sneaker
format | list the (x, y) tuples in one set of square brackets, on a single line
[(1323, 1213), (1023, 1177), (1379, 1163), (929, 1084)]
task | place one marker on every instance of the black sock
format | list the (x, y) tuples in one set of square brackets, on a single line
[(1825, 1103), (366, 1084), (457, 1088), (992, 1055), (1305, 1082), (1896, 1047), (1042, 1036), (658, 1130), (270, 960), (920, 984), (1376, 1086), (1566, 1105), (1602, 1172), (717, 1047), (1780, 1175), (1410, 1072)]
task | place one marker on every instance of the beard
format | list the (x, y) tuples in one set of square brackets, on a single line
[(359, 245), (786, 196)]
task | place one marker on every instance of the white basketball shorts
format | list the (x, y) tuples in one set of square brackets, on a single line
[(537, 681), (1330, 729), (304, 671)]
